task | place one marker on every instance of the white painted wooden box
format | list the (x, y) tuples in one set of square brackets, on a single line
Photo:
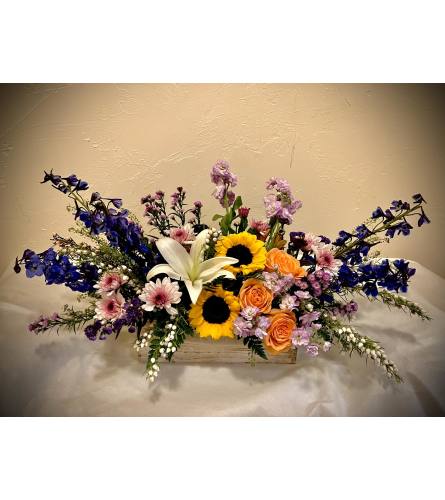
[(196, 350)]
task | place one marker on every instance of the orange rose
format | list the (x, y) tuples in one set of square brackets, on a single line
[(253, 293), (281, 261), (279, 333)]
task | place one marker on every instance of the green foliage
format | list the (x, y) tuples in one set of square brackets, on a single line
[(99, 253), (349, 340), (159, 336), (394, 300), (183, 330), (71, 319), (255, 345), (226, 221)]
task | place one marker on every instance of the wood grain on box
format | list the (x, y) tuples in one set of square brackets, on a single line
[(208, 351)]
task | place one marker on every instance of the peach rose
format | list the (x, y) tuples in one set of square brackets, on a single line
[(281, 261), (279, 333), (255, 294)]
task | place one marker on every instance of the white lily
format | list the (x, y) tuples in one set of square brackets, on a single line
[(191, 268)]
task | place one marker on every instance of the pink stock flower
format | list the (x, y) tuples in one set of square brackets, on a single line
[(301, 336), (161, 295), (110, 282), (289, 302), (249, 313), (308, 318), (182, 234), (110, 307), (326, 260)]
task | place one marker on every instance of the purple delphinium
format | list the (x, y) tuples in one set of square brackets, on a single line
[(347, 310), (92, 330)]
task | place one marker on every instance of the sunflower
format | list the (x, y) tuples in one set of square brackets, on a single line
[(214, 313), (245, 247)]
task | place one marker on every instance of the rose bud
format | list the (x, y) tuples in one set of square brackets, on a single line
[(243, 212)]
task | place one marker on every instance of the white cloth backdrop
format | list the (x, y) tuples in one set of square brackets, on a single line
[(68, 375)]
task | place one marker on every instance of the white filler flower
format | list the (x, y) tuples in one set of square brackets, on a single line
[(191, 268)]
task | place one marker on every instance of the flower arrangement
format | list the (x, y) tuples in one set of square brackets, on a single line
[(242, 280)]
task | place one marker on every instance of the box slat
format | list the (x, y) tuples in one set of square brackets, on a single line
[(209, 351)]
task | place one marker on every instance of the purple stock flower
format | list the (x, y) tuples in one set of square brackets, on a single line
[(308, 318), (221, 174), (312, 350), (248, 324), (281, 205), (242, 327), (224, 180), (281, 185), (277, 284)]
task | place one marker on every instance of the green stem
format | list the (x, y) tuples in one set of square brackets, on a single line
[(274, 231)]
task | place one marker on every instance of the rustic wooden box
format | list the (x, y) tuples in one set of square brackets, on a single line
[(197, 350)]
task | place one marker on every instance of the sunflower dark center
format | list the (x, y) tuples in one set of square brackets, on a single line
[(215, 310), (242, 253)]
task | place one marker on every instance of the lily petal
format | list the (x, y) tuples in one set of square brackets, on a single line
[(163, 269), (175, 255), (220, 274), (197, 245), (209, 267), (194, 289)]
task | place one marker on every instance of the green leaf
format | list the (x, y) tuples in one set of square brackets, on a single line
[(255, 345), (238, 202), (225, 223), (217, 216)]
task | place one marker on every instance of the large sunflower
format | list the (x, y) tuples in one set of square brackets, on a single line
[(214, 313), (245, 247)]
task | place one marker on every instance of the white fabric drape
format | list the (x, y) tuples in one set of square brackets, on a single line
[(66, 374)]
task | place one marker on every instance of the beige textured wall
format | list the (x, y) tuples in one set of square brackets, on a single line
[(345, 149)]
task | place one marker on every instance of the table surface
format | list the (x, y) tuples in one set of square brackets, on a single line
[(68, 375)]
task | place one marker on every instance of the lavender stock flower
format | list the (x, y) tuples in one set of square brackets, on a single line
[(280, 205), (224, 179)]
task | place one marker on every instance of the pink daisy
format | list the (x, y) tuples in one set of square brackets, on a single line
[(182, 234), (161, 295), (110, 282), (110, 307), (326, 260)]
